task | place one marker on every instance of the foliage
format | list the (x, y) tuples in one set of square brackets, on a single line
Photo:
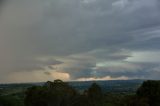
[(10, 100), (133, 100), (59, 93), (148, 94), (151, 91), (95, 95), (55, 93)]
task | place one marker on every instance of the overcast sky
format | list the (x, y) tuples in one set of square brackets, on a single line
[(44, 40)]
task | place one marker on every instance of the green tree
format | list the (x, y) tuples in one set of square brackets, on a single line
[(57, 93), (150, 90), (95, 95)]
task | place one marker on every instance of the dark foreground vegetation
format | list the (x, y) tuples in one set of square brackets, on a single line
[(59, 93)]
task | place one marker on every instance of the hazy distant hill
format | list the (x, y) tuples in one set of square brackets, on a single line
[(120, 86), (115, 86)]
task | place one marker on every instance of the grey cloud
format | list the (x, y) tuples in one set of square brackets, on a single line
[(26, 64), (131, 70), (47, 73), (60, 29)]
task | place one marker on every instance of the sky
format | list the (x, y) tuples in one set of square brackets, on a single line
[(79, 40)]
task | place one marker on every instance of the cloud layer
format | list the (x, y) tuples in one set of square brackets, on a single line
[(79, 39)]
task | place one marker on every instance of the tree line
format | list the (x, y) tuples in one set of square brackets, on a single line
[(59, 93)]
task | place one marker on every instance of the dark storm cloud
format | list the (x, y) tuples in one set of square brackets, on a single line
[(103, 31)]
